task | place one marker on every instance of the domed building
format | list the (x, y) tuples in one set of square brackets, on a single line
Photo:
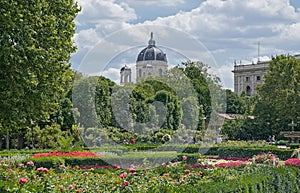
[(151, 61)]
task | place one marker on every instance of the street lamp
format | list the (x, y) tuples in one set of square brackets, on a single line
[(292, 124)]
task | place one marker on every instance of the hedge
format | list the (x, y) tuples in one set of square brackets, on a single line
[(265, 180)]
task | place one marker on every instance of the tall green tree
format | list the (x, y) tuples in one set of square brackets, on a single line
[(208, 89), (104, 89), (279, 102), (84, 101), (35, 47)]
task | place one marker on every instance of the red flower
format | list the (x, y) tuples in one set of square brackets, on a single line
[(230, 164), (132, 170), (23, 180), (70, 154), (187, 171), (132, 141), (126, 183), (293, 162), (123, 175)]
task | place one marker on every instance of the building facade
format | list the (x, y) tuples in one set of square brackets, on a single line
[(247, 77)]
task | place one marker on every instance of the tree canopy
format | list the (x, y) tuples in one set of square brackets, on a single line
[(35, 47), (279, 102)]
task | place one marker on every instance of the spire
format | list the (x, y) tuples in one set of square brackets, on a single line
[(151, 41)]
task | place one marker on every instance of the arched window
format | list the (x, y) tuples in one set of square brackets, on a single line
[(248, 91), (140, 72)]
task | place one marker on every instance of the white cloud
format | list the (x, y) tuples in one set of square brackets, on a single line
[(86, 39), (230, 29), (232, 18), (167, 3), (94, 11)]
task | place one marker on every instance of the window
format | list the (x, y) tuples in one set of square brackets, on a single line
[(247, 78), (140, 72), (258, 78), (248, 91)]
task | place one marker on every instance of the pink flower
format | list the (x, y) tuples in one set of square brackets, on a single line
[(43, 170), (20, 165), (132, 170), (187, 171), (166, 174), (126, 183), (23, 180), (78, 190), (30, 163), (184, 157), (10, 171), (123, 175), (61, 188)]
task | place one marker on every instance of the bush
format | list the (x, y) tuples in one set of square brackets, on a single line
[(295, 145)]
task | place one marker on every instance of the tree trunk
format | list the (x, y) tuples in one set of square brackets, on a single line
[(7, 139), (1, 142), (20, 141)]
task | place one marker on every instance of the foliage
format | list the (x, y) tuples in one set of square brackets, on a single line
[(51, 136), (208, 89), (279, 97), (235, 103), (103, 101), (35, 47), (83, 98)]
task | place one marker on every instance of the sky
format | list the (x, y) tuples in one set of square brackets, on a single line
[(110, 33)]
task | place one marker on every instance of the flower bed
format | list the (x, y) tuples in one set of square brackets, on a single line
[(70, 154), (168, 177), (293, 162)]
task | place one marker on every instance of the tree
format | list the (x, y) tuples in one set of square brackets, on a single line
[(208, 90), (235, 103), (103, 101), (279, 97), (83, 98), (35, 47)]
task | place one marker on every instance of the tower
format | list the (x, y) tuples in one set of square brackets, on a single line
[(151, 61), (125, 73)]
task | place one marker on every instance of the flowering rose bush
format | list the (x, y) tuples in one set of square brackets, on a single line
[(70, 154), (266, 158), (167, 177), (293, 162)]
